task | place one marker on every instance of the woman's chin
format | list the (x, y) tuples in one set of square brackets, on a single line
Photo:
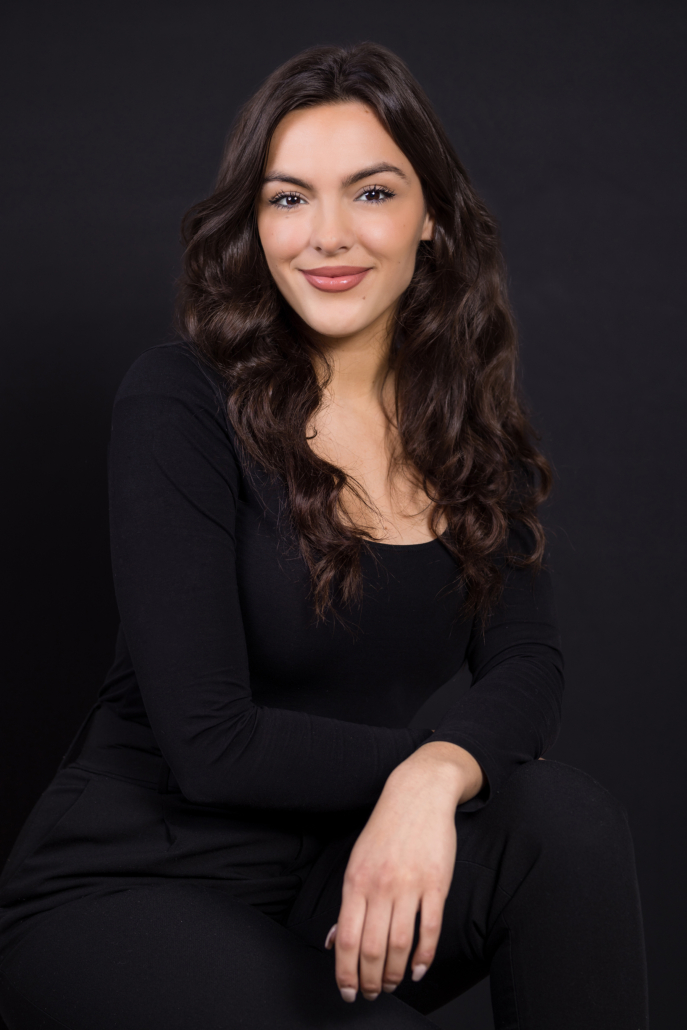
[(339, 325)]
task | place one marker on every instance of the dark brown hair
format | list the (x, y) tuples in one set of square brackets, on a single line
[(460, 421)]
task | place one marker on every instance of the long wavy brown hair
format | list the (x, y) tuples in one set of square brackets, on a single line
[(460, 422)]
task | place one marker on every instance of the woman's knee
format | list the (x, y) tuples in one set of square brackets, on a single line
[(564, 806)]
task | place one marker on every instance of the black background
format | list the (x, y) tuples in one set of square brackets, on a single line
[(568, 118)]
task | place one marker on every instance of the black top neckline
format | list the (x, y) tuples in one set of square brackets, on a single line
[(404, 547)]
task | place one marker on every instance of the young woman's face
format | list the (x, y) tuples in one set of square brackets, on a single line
[(340, 216)]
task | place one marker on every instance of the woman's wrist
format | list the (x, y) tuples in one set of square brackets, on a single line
[(450, 770)]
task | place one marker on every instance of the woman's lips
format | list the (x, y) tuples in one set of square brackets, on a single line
[(335, 279)]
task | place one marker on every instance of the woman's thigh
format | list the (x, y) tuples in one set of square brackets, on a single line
[(176, 957)]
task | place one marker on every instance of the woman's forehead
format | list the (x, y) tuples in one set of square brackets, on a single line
[(332, 142)]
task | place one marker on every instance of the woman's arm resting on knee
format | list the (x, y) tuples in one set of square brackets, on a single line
[(402, 862), (512, 712)]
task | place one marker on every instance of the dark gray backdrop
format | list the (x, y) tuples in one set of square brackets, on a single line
[(568, 117)]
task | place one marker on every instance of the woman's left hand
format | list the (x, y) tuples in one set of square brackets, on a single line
[(402, 863)]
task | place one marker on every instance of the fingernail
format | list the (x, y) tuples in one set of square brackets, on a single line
[(389, 987), (347, 993), (419, 972), (371, 997), (330, 937)]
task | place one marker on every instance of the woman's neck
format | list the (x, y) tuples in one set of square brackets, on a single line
[(358, 366)]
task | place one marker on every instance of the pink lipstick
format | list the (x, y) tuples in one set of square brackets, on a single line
[(335, 278)]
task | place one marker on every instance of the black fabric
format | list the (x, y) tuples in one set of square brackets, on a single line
[(543, 895), (202, 819), (250, 701)]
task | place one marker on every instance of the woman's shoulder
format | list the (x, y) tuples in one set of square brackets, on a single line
[(171, 385), (171, 369)]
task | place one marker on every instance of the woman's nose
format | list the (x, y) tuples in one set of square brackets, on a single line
[(331, 231)]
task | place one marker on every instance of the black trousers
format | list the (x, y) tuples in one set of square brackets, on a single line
[(544, 898)]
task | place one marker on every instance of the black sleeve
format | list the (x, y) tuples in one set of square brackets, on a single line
[(174, 480), (512, 712)]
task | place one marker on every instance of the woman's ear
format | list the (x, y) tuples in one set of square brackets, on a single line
[(428, 227)]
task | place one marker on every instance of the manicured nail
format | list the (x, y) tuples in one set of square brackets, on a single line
[(330, 937), (371, 997), (419, 972), (389, 987), (347, 993)]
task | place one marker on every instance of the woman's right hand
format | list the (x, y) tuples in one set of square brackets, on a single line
[(402, 863)]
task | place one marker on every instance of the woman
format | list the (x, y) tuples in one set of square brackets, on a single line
[(323, 501)]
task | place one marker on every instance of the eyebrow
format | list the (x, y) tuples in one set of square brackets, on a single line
[(365, 173)]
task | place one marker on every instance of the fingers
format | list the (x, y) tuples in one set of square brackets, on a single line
[(348, 936), (373, 940), (375, 931), (400, 942), (431, 914), (373, 946)]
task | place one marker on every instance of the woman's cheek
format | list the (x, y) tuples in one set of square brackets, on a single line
[(393, 240), (378, 236), (288, 241), (283, 238), (395, 248)]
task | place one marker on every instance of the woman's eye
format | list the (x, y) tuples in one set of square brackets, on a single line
[(376, 194), (287, 200)]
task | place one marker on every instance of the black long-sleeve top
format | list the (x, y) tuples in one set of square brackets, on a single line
[(221, 663)]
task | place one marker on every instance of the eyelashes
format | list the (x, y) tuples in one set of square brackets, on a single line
[(276, 201), (287, 200), (384, 194)]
